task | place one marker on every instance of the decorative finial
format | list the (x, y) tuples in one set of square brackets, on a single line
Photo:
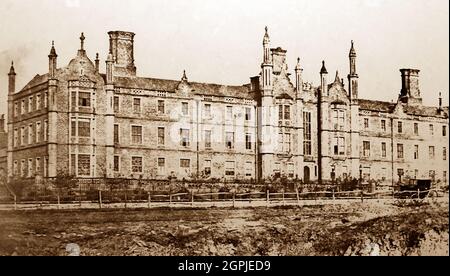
[(337, 79), (184, 78), (96, 56), (53, 43), (267, 29), (82, 38), (352, 50), (298, 64), (323, 70), (52, 50), (11, 70)]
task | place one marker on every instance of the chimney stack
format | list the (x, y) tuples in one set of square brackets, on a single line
[(121, 46)]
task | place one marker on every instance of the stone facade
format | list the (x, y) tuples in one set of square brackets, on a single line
[(76, 120)]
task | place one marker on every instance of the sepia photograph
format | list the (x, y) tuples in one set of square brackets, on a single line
[(224, 128)]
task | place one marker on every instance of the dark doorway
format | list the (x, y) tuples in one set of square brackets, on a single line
[(306, 175)]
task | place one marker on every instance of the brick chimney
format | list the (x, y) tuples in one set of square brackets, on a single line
[(410, 92), (121, 46)]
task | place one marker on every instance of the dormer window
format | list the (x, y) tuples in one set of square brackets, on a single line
[(84, 99)]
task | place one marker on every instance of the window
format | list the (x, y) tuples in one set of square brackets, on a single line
[(73, 164), (399, 150), (161, 107), (338, 119), (38, 166), (248, 141), (416, 173), (207, 167), (290, 169), (248, 113), (74, 98), (383, 125), (248, 169), (431, 129), (22, 136), (432, 174), (184, 136), (22, 107), (444, 130), (136, 134), (116, 164), (416, 152), (116, 106), (38, 132), (16, 167), (444, 153), (307, 133), (30, 104), (45, 130), (229, 140), (136, 105), (399, 127), (38, 101), (116, 134), (207, 110), (45, 166), (161, 136), (416, 129), (207, 138), (383, 149), (339, 145), (366, 123), (161, 166), (185, 108), (22, 168), (286, 115), (84, 165), (431, 152), (136, 164), (229, 113), (73, 127), (30, 134), (277, 170), (287, 112), (366, 148), (84, 128), (16, 109), (185, 163), (30, 168), (45, 100), (84, 99), (280, 112), (287, 142), (229, 168), (16, 137)]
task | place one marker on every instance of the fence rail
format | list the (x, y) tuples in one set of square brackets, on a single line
[(101, 199)]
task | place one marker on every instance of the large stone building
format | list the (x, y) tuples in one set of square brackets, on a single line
[(76, 120)]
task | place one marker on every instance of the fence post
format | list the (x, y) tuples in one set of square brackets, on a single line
[(283, 196), (362, 196), (15, 202), (268, 197), (234, 199), (298, 196), (418, 194), (100, 198), (59, 201), (149, 200), (192, 198), (170, 198), (334, 198)]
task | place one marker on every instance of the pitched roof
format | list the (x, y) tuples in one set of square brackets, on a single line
[(38, 79), (376, 105), (242, 91), (426, 111)]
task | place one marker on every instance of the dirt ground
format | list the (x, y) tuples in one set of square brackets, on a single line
[(355, 229)]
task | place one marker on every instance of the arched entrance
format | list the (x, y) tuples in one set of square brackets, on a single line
[(306, 174)]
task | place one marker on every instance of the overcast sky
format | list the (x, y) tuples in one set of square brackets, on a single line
[(221, 41)]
